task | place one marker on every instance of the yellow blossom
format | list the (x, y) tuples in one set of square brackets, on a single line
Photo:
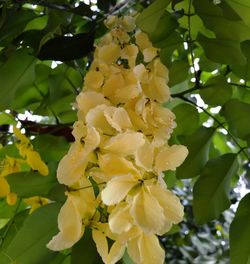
[(35, 202)]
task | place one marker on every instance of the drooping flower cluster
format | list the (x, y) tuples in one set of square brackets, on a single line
[(114, 169), (11, 165)]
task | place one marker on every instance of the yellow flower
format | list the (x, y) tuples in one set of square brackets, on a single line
[(35, 202), (32, 157), (71, 168), (108, 256), (146, 249), (11, 198)]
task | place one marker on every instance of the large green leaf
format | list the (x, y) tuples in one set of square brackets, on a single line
[(240, 233), (18, 72), (198, 146), (243, 71), (178, 72), (27, 184), (216, 91), (212, 188), (43, 143), (10, 28), (187, 119), (149, 18), (237, 116), (29, 244), (85, 250), (215, 19), (8, 233), (222, 50), (242, 8)]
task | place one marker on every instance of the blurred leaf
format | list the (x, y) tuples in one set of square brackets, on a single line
[(242, 8), (13, 27), (170, 179), (220, 142), (27, 184), (7, 211), (16, 73), (12, 228), (57, 193), (65, 48), (187, 119), (178, 72), (237, 116), (216, 91), (7, 119), (198, 146), (148, 20), (221, 50), (85, 250), (126, 259), (29, 245), (215, 19), (240, 233), (243, 71), (43, 143), (212, 188)]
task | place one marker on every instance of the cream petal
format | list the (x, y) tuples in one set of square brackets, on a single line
[(144, 156), (170, 203), (150, 250), (72, 165), (116, 252), (117, 188), (133, 249), (113, 165), (70, 221), (109, 53), (96, 118), (59, 242), (118, 118), (147, 212), (169, 158), (120, 220), (125, 143), (101, 244), (88, 100), (93, 80)]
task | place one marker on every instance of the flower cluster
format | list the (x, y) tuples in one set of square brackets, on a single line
[(11, 165), (114, 169)]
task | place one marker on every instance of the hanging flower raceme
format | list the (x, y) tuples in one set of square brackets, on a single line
[(114, 169), (11, 165)]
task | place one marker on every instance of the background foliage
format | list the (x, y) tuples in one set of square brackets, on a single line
[(45, 50)]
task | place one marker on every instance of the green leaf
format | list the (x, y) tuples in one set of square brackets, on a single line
[(27, 184), (85, 250), (237, 116), (149, 18), (29, 245), (187, 119), (240, 233), (198, 146), (178, 72), (13, 27), (216, 91), (126, 259), (221, 50), (11, 229), (7, 119), (215, 19), (18, 72), (243, 71), (43, 143), (212, 188), (242, 8)]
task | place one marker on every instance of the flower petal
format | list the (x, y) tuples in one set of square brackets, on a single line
[(125, 143), (169, 158), (120, 219), (147, 212), (117, 188)]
